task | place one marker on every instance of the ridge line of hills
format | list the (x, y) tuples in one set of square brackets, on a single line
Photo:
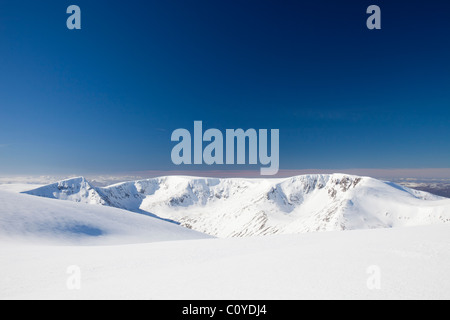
[(235, 207)]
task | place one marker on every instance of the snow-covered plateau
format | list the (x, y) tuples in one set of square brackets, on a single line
[(130, 241)]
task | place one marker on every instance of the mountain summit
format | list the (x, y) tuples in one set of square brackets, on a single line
[(74, 189)]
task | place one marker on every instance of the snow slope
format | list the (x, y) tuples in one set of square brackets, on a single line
[(249, 207), (25, 218), (413, 263), (124, 255)]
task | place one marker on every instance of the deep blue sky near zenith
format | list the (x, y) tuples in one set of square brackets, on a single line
[(107, 98)]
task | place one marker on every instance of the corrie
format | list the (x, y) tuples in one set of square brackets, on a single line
[(235, 147)]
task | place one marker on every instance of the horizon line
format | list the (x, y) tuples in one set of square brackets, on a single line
[(418, 173), (386, 174)]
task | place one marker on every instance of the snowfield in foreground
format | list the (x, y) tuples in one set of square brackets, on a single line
[(413, 264), (33, 219)]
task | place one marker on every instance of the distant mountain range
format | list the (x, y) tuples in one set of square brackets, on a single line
[(252, 207), (438, 188)]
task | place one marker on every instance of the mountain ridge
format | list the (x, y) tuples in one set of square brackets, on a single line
[(238, 207)]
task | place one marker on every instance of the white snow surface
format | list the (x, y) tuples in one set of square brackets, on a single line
[(413, 263), (125, 255), (251, 207), (26, 218)]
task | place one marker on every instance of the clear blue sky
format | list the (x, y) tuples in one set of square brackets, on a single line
[(107, 98)]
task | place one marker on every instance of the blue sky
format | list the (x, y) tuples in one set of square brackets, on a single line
[(107, 98)]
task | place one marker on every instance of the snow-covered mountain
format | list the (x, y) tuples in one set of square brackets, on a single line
[(249, 207), (76, 189)]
